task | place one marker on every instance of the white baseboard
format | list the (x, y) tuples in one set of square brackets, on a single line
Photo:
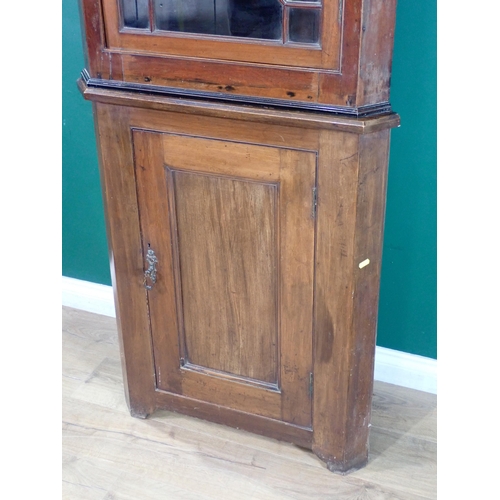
[(393, 367), (407, 370), (88, 296)]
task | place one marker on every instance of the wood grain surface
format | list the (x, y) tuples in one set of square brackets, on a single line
[(108, 455), (125, 253), (261, 316), (231, 312), (244, 113), (347, 69), (228, 260)]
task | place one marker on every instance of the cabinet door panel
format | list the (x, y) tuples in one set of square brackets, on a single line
[(231, 313), (226, 230)]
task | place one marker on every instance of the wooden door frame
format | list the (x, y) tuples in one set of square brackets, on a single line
[(293, 172)]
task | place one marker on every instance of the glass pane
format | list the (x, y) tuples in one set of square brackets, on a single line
[(304, 25), (189, 16), (256, 18), (242, 18), (135, 13)]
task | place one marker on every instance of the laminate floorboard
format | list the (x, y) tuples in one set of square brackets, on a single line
[(109, 455)]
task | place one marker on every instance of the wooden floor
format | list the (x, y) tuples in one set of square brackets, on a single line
[(108, 455)]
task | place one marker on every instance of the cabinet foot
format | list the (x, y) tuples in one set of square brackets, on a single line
[(345, 468), (139, 412), (342, 467)]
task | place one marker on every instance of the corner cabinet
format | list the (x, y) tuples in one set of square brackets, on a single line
[(245, 238)]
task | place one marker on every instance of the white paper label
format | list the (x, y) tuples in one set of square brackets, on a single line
[(364, 263)]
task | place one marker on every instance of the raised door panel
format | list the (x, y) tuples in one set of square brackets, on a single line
[(227, 263), (231, 311)]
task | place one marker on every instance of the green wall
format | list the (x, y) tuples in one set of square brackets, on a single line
[(407, 316), (85, 253), (408, 295)]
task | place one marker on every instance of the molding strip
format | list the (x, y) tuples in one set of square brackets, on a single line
[(360, 111), (392, 367)]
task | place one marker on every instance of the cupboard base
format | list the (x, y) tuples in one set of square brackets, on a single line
[(245, 248)]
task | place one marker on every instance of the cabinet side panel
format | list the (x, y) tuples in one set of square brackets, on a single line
[(123, 230), (377, 42), (370, 212), (337, 190), (351, 207)]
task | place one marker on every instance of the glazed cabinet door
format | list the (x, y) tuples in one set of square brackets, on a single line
[(228, 233), (280, 32)]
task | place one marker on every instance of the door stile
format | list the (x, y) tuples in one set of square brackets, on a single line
[(298, 178), (153, 205)]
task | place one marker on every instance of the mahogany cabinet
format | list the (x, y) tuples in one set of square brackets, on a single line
[(245, 239)]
